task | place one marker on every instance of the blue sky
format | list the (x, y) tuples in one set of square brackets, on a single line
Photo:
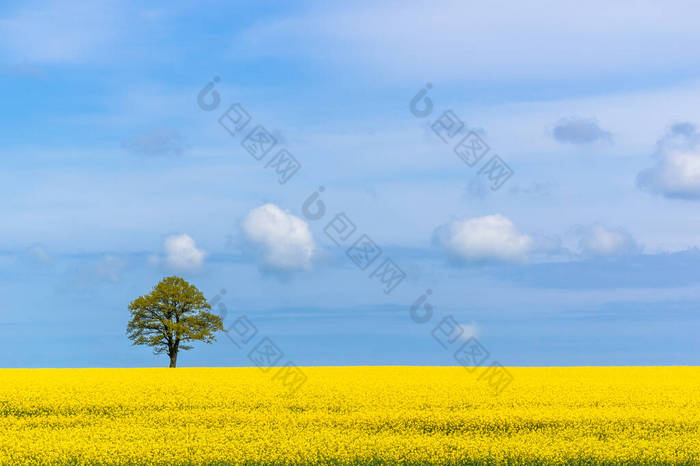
[(114, 177)]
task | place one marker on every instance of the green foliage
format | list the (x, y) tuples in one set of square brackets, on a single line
[(173, 314)]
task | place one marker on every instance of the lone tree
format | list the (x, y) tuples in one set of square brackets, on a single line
[(173, 313)]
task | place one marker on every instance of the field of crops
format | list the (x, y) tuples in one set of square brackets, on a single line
[(349, 414)]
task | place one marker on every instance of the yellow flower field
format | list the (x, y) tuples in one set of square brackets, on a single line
[(350, 415)]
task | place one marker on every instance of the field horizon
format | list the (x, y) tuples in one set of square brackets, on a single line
[(354, 365)]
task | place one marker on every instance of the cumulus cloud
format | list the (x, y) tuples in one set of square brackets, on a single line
[(182, 253), (283, 241), (600, 241), (580, 131), (676, 172), (483, 239)]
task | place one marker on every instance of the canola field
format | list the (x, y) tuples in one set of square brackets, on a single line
[(350, 415)]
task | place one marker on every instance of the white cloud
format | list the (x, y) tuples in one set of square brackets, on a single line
[(677, 169), (283, 241), (599, 241), (490, 238), (182, 253)]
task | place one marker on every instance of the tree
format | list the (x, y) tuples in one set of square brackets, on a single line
[(172, 314)]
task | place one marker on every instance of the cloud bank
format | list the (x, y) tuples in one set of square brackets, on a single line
[(521, 45)]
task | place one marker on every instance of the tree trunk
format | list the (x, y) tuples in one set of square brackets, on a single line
[(173, 359)]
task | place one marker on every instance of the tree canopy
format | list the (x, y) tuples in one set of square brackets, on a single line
[(173, 314)]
